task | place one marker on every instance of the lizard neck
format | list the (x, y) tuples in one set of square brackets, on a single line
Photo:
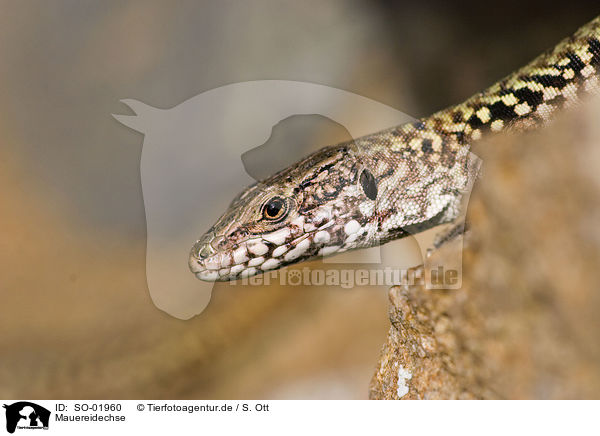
[(560, 78)]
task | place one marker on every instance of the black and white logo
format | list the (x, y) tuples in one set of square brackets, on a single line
[(26, 415)]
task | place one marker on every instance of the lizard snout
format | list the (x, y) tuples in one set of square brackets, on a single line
[(203, 248)]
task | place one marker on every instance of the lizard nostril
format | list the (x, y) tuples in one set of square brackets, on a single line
[(203, 248), (205, 251)]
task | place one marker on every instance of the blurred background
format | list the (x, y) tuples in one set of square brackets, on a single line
[(76, 320)]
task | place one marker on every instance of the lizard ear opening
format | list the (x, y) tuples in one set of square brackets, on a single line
[(369, 185)]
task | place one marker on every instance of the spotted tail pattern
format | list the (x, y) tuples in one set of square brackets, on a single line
[(393, 183)]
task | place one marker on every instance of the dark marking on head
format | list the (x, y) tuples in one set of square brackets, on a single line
[(426, 146)]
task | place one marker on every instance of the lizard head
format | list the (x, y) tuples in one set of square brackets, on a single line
[(351, 195), (310, 209)]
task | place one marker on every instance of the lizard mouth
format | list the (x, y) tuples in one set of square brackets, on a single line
[(269, 251), (259, 254), (248, 258)]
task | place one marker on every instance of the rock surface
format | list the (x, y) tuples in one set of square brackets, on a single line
[(524, 324)]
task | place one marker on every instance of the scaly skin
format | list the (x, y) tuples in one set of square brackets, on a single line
[(392, 183)]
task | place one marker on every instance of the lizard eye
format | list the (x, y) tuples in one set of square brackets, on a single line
[(275, 209)]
